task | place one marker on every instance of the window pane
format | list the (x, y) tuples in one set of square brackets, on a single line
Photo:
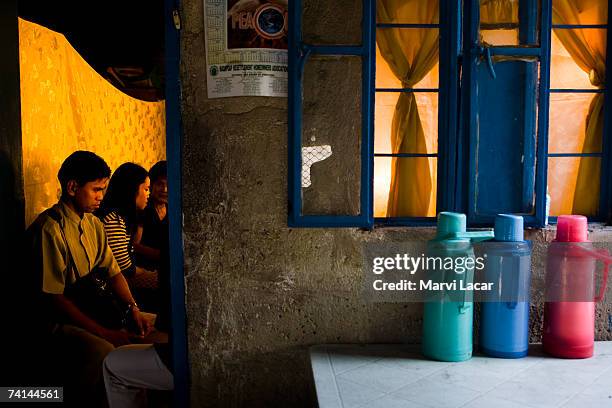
[(567, 123), (414, 43), (563, 178), (385, 109), (499, 12), (342, 22), (501, 21), (588, 12), (565, 72), (408, 12), (331, 136), (385, 78), (415, 184), (500, 37)]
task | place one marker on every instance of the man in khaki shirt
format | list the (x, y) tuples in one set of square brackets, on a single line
[(82, 342)]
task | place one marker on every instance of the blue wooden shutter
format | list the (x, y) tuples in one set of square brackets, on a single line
[(506, 119)]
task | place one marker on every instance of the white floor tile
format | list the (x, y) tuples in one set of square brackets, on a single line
[(396, 376), (469, 376), (539, 393), (413, 362), (486, 401), (587, 401), (437, 395), (390, 401), (381, 377), (342, 362), (352, 395)]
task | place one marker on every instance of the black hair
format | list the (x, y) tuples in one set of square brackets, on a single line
[(82, 166), (122, 191), (159, 170)]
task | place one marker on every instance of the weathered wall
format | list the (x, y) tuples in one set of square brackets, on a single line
[(259, 293)]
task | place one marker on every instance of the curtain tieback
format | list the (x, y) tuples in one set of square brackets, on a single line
[(596, 79), (408, 84)]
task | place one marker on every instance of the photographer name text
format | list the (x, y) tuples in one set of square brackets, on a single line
[(432, 285)]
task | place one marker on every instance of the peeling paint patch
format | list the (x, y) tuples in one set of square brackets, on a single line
[(310, 156)]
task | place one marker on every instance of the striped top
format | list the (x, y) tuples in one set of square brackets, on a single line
[(119, 241)]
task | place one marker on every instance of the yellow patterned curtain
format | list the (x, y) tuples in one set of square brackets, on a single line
[(67, 106), (587, 48), (410, 53), (499, 11)]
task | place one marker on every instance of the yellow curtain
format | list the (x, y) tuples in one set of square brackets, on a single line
[(499, 11), (66, 106), (588, 49), (410, 53)]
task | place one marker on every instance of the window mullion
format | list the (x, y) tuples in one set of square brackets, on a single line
[(367, 109), (448, 118), (605, 204), (543, 114)]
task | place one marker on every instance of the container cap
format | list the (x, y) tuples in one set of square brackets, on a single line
[(508, 227), (571, 228), (450, 223)]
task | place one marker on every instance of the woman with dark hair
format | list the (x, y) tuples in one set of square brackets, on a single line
[(127, 195)]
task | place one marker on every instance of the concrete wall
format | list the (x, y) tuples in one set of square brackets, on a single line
[(259, 293)]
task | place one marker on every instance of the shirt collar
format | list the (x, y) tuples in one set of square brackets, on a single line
[(69, 213)]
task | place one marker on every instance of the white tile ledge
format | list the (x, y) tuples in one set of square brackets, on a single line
[(396, 376)]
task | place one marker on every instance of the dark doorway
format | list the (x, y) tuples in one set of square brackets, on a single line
[(135, 45)]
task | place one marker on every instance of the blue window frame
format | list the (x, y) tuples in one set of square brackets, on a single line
[(483, 169), (499, 102), (299, 53)]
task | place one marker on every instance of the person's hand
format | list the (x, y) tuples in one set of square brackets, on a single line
[(116, 337), (139, 271), (143, 325)]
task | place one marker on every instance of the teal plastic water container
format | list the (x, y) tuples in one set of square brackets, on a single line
[(504, 323), (448, 313)]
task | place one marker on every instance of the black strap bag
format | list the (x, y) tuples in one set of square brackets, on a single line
[(92, 293), (94, 297)]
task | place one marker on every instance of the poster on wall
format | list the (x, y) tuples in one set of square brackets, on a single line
[(246, 47)]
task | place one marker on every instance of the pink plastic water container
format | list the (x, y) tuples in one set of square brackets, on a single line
[(569, 311)]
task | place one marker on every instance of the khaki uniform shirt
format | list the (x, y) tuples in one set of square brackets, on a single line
[(87, 243)]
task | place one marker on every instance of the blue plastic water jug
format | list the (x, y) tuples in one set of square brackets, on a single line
[(448, 313), (504, 328)]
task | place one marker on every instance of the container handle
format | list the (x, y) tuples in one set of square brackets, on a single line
[(606, 260), (600, 253), (604, 256), (474, 236), (464, 306), (513, 293)]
